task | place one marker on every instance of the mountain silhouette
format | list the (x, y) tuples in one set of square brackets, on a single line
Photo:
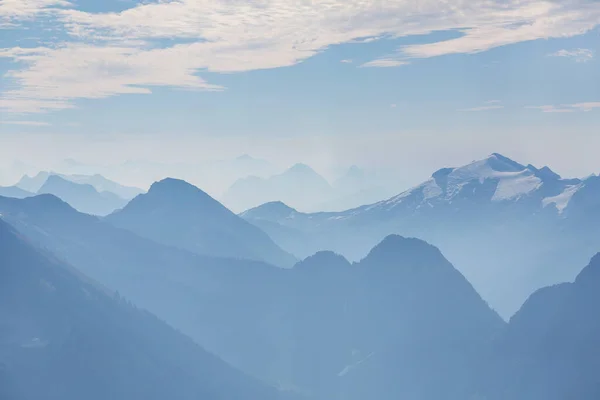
[(181, 215), (551, 348), (83, 197), (64, 337), (299, 186), (213, 300), (14, 191), (322, 328), (474, 212), (33, 183), (382, 327), (102, 184)]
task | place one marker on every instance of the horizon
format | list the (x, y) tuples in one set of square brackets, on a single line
[(387, 86)]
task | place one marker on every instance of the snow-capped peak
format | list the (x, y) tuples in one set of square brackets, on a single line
[(513, 181)]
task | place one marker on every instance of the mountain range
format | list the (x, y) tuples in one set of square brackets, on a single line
[(472, 212), (391, 320), (176, 213), (308, 328), (322, 328), (299, 184), (34, 183), (64, 337)]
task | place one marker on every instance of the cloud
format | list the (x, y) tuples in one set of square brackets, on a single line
[(579, 55), (26, 123), (482, 108), (589, 106), (384, 63), (347, 61), (12, 11), (488, 105), (567, 108), (171, 43)]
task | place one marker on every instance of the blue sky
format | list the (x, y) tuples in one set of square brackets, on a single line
[(327, 82)]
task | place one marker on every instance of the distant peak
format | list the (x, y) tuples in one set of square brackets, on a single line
[(277, 205), (300, 168), (397, 248), (324, 259), (544, 173), (275, 209), (501, 163), (245, 157), (48, 202), (177, 189), (172, 183)]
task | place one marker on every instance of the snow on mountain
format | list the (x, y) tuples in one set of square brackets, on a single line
[(509, 181), (561, 201)]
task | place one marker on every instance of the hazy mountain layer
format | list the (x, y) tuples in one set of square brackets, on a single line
[(63, 338), (176, 213), (530, 226)]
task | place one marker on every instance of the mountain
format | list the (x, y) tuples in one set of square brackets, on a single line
[(64, 337), (355, 188), (33, 183), (320, 328), (473, 212), (551, 349), (14, 191), (83, 197), (401, 323), (439, 328), (300, 186), (176, 213), (101, 184), (220, 303)]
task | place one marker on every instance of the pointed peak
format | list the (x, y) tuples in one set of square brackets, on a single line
[(546, 173), (501, 163)]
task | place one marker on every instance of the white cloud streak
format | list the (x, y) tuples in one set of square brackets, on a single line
[(168, 43), (579, 55), (384, 63), (482, 108), (567, 108), (25, 123)]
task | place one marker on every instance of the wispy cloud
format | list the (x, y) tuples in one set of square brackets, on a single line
[(567, 108), (12, 11), (25, 123), (579, 55), (347, 61), (384, 63), (488, 105), (116, 53)]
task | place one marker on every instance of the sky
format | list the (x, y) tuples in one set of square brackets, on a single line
[(409, 86)]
